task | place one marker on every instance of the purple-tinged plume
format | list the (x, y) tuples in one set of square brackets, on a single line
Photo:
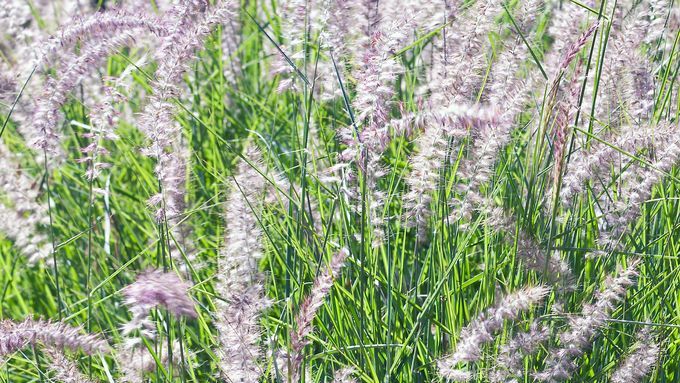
[(239, 281), (596, 163), (575, 340), (637, 186), (310, 306), (640, 361), (450, 125), (510, 359), (157, 121), (64, 369), (16, 335), (97, 28), (483, 330), (104, 120), (23, 214), (55, 92), (156, 288)]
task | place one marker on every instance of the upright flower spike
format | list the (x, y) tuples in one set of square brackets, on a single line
[(640, 361), (508, 94), (309, 308), (342, 36), (368, 136), (449, 124), (575, 340), (458, 62), (104, 120), (564, 115), (239, 282), (626, 89), (231, 43), (157, 121), (461, 60), (483, 330), (21, 211), (294, 32), (567, 19), (16, 335)]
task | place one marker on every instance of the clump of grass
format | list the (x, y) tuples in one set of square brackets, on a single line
[(452, 150)]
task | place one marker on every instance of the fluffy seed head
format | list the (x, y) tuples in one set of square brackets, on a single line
[(156, 288), (482, 330), (16, 335), (640, 361)]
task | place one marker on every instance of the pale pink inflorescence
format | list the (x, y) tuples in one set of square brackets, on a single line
[(640, 361), (455, 77), (157, 122), (483, 329), (188, 24), (21, 210), (625, 97), (231, 43), (342, 37), (458, 65), (240, 283), (101, 35), (451, 124), (560, 364), (104, 120), (563, 117), (507, 93), (153, 289), (56, 92), (626, 82), (96, 28), (637, 186), (16, 335), (566, 22), (596, 163), (64, 369), (510, 359), (294, 31), (135, 360), (367, 137), (309, 308)]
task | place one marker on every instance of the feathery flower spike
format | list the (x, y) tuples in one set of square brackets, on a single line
[(309, 307), (574, 341), (21, 220), (65, 370), (510, 359), (640, 361), (155, 288), (483, 329), (16, 335), (240, 283)]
